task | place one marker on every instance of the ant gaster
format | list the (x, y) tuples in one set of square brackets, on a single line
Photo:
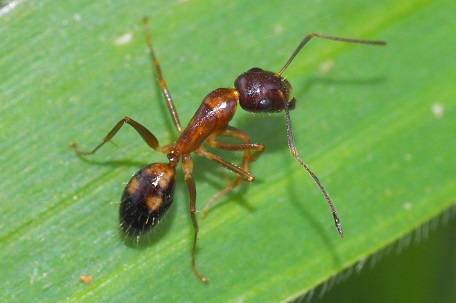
[(149, 193)]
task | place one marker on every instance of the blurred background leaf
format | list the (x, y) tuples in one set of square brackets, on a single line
[(377, 124), (424, 271)]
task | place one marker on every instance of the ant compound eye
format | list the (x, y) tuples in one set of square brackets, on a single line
[(146, 198), (262, 91)]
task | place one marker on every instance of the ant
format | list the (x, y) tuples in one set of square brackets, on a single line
[(149, 193)]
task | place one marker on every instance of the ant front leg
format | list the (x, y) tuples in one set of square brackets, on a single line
[(246, 146), (187, 165), (147, 136)]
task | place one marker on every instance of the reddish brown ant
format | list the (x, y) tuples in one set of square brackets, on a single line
[(150, 191)]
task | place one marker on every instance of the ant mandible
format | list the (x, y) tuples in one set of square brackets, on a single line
[(149, 193)]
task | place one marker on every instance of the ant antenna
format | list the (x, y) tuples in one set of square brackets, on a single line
[(297, 156), (291, 141), (309, 37)]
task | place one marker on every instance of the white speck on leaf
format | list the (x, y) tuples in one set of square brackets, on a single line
[(123, 39), (9, 7), (326, 66), (438, 110), (407, 205), (278, 29)]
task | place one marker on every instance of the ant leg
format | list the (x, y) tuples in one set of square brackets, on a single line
[(161, 79), (247, 147), (233, 167), (144, 132), (187, 165)]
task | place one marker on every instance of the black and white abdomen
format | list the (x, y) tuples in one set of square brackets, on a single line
[(146, 198)]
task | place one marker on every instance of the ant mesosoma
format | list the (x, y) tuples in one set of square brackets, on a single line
[(149, 193)]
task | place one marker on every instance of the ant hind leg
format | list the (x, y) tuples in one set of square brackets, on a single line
[(187, 165)]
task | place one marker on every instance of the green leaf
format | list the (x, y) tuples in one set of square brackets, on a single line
[(376, 124)]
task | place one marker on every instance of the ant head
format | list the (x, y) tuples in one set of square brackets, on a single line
[(263, 91)]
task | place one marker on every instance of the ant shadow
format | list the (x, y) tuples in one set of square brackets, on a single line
[(113, 163), (307, 85)]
